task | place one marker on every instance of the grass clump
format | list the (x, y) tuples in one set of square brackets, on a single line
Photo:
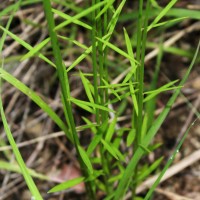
[(110, 163)]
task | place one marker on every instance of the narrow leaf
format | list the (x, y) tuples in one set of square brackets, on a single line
[(85, 159), (80, 15), (34, 97), (66, 185), (85, 82), (135, 103), (162, 14), (93, 144), (109, 148), (75, 21), (35, 49), (27, 46)]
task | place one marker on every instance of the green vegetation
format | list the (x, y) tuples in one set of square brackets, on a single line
[(103, 162)]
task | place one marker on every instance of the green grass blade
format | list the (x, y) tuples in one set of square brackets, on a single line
[(35, 49), (169, 162), (131, 137), (67, 17), (135, 103), (80, 15), (66, 185), (8, 9), (181, 12), (115, 85), (34, 97), (105, 8), (85, 159), (79, 59), (155, 93), (84, 55), (150, 169), (107, 85), (162, 87), (31, 185), (95, 141), (26, 45), (109, 148), (114, 19), (74, 41), (168, 22), (144, 126), (82, 105), (111, 130), (130, 51), (77, 101), (162, 14), (117, 50), (14, 167), (86, 83), (129, 75), (15, 7), (88, 122)]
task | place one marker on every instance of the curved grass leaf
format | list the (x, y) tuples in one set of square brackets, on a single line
[(164, 88), (80, 58), (31, 185), (149, 170), (35, 49), (111, 130), (14, 167), (86, 83), (131, 137), (162, 14), (89, 123), (135, 103), (75, 21), (105, 8), (66, 185), (107, 85), (84, 55), (26, 45), (85, 159), (168, 22), (130, 52), (169, 162), (109, 148), (114, 19), (115, 48), (34, 97), (95, 141), (74, 41), (85, 103), (80, 15)]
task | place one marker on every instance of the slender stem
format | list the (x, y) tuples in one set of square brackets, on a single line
[(140, 55), (94, 61), (65, 89), (141, 72)]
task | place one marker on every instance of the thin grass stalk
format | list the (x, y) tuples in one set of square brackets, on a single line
[(151, 105), (105, 58), (135, 116), (63, 78), (94, 63), (103, 114), (141, 74), (138, 58), (140, 55)]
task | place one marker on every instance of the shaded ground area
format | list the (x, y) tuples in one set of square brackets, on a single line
[(46, 149)]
